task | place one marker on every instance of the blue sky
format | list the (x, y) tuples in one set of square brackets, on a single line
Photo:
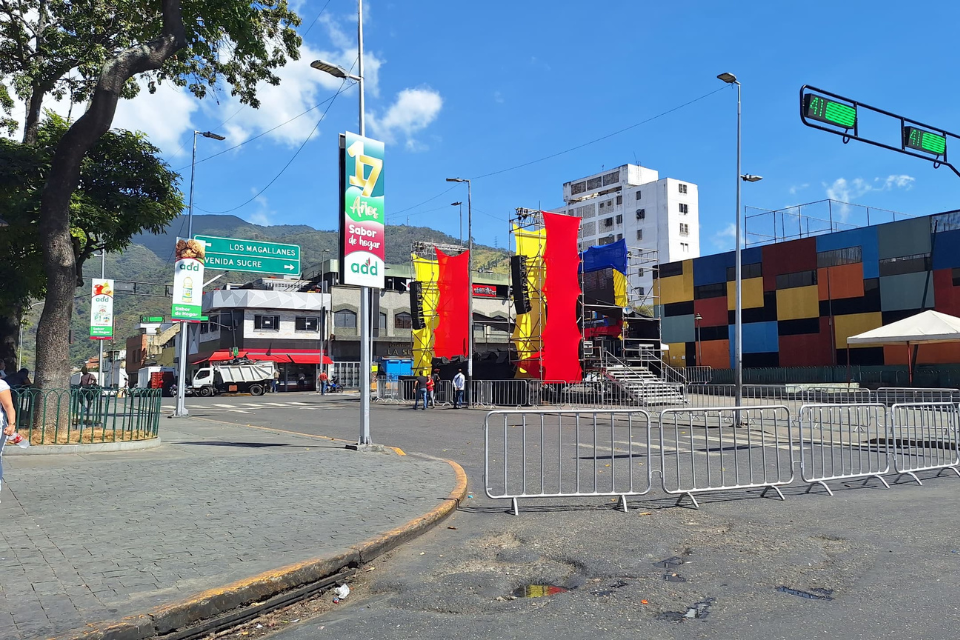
[(466, 89)]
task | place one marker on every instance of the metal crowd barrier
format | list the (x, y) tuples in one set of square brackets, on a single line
[(924, 437), (84, 415), (842, 442), (550, 454), (902, 395), (724, 448)]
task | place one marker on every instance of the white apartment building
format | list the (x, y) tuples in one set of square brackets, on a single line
[(633, 203)]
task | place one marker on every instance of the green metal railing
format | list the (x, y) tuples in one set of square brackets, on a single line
[(87, 415)]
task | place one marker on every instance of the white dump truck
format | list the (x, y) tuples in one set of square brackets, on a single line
[(235, 377)]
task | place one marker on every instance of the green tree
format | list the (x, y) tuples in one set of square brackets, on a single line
[(96, 52), (124, 189)]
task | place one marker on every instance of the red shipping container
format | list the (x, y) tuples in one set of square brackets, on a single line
[(787, 257), (712, 310)]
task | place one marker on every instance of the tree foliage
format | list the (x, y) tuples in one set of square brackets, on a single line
[(125, 188), (98, 52)]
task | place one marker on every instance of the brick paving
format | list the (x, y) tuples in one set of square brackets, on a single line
[(95, 537)]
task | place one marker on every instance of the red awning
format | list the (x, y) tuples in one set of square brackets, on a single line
[(302, 357), (216, 356)]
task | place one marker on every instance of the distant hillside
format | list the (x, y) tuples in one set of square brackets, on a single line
[(399, 240)]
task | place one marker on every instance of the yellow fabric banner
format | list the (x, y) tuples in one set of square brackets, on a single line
[(527, 333), (426, 272)]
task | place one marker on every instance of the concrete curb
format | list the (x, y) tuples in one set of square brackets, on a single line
[(216, 601), (98, 447)]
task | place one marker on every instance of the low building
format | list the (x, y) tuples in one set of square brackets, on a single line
[(804, 297)]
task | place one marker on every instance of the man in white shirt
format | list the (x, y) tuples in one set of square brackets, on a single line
[(459, 382), (8, 420)]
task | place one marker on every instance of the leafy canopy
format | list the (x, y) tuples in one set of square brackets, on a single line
[(125, 189)]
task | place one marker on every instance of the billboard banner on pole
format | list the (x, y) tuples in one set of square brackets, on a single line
[(188, 280), (362, 253), (101, 310)]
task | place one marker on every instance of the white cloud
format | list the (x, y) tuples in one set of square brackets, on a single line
[(263, 214), (795, 189), (164, 116), (413, 111), (848, 191), (726, 238)]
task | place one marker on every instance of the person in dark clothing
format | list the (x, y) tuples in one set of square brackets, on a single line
[(421, 393), (435, 379)]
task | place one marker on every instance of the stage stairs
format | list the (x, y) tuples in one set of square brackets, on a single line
[(641, 384)]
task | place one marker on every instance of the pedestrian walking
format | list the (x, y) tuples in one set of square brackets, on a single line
[(301, 382), (459, 382), (322, 382), (431, 386), (435, 379), (8, 420), (276, 379), (420, 393)]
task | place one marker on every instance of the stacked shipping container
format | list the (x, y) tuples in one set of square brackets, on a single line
[(803, 298)]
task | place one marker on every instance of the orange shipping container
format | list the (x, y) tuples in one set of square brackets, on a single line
[(845, 281)]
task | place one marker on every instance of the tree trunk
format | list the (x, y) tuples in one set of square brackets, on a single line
[(59, 262), (10, 338), (31, 125)]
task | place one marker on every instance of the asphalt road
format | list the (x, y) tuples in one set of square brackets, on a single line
[(872, 562)]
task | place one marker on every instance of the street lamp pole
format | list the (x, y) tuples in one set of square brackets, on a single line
[(697, 318), (459, 204), (366, 341), (469, 285), (729, 78), (181, 410), (103, 269)]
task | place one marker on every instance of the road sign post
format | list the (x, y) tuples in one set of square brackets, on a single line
[(234, 254)]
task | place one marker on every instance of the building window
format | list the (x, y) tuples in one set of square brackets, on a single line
[(594, 183), (684, 229), (837, 257), (383, 321), (619, 236), (684, 208), (683, 187), (403, 320), (345, 319), (641, 214), (308, 323), (619, 199), (578, 187), (798, 279), (601, 205), (266, 323), (754, 270), (619, 218), (639, 194), (639, 234), (640, 291), (204, 327), (640, 272), (685, 247), (607, 222)]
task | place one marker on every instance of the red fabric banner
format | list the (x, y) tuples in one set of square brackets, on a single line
[(561, 288), (453, 305)]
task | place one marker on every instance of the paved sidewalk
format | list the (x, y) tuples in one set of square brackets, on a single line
[(91, 538)]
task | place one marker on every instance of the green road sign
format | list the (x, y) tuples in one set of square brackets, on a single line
[(234, 254), (152, 319), (835, 113), (925, 141)]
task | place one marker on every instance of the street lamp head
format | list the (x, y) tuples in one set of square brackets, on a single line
[(751, 178), (334, 70), (698, 317), (210, 134), (728, 77), (455, 204), (456, 180)]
